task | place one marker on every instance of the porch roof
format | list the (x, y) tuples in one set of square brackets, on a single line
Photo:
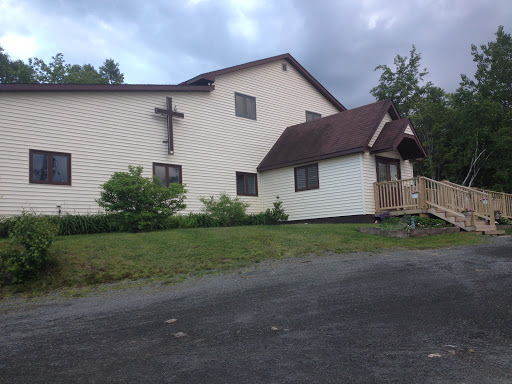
[(394, 137), (332, 136)]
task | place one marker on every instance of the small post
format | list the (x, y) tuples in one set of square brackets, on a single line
[(422, 198), (490, 205)]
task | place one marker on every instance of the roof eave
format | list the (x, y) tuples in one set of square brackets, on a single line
[(104, 88), (210, 76), (310, 159)]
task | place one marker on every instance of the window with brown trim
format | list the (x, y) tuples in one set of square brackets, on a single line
[(168, 173), (312, 116), (245, 106), (49, 167), (306, 177), (387, 169), (246, 184)]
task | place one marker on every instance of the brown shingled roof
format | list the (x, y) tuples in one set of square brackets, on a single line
[(209, 77), (393, 130), (332, 136), (393, 137)]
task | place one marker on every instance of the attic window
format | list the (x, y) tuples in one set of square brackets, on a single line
[(245, 106), (312, 116), (285, 67)]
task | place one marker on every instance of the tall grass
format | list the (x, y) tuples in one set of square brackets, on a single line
[(72, 224)]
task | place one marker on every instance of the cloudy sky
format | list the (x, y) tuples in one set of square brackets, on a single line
[(338, 42)]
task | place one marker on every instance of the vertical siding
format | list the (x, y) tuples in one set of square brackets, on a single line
[(387, 118), (107, 131), (370, 176), (340, 192)]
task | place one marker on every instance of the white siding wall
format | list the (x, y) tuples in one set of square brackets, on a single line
[(106, 132), (340, 192), (370, 176)]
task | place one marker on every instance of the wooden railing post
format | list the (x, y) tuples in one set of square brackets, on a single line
[(377, 198), (490, 205), (422, 198)]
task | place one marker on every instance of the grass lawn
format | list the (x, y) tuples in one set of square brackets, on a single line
[(88, 260)]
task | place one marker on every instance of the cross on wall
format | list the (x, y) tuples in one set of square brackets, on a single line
[(170, 114)]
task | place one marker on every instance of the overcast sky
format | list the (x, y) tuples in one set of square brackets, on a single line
[(338, 42)]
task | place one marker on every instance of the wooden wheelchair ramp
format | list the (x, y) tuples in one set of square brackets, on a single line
[(445, 200)]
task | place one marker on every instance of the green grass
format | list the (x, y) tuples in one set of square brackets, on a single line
[(88, 260)]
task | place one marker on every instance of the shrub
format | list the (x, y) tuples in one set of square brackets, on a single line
[(277, 214), (405, 222), (6, 225), (31, 238), (142, 203), (224, 210), (256, 219), (503, 221), (87, 224)]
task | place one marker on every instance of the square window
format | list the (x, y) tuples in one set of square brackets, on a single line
[(245, 106), (306, 177), (49, 167), (312, 116), (246, 184), (167, 173)]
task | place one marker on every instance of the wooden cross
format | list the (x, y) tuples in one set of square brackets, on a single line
[(170, 114)]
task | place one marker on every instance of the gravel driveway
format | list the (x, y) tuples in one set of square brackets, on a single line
[(434, 316)]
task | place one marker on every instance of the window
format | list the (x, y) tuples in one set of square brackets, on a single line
[(245, 106), (49, 167), (284, 66), (387, 169), (246, 184), (306, 177), (167, 173), (312, 116)]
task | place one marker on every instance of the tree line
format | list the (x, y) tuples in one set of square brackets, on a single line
[(56, 71), (467, 134)]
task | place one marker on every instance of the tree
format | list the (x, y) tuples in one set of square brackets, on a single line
[(57, 71), (111, 72), (14, 71), (404, 85), (493, 77), (52, 73), (143, 203), (86, 74)]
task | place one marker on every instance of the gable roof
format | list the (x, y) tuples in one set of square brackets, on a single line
[(103, 88), (209, 77), (331, 136), (393, 137)]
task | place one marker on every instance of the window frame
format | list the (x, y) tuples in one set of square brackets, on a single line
[(245, 97), (247, 183), (308, 188), (387, 161), (167, 172), (50, 155), (313, 114)]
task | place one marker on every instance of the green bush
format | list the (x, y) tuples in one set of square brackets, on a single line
[(31, 238), (256, 219), (88, 224), (405, 222), (6, 225), (503, 221), (224, 210), (277, 214), (143, 204)]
